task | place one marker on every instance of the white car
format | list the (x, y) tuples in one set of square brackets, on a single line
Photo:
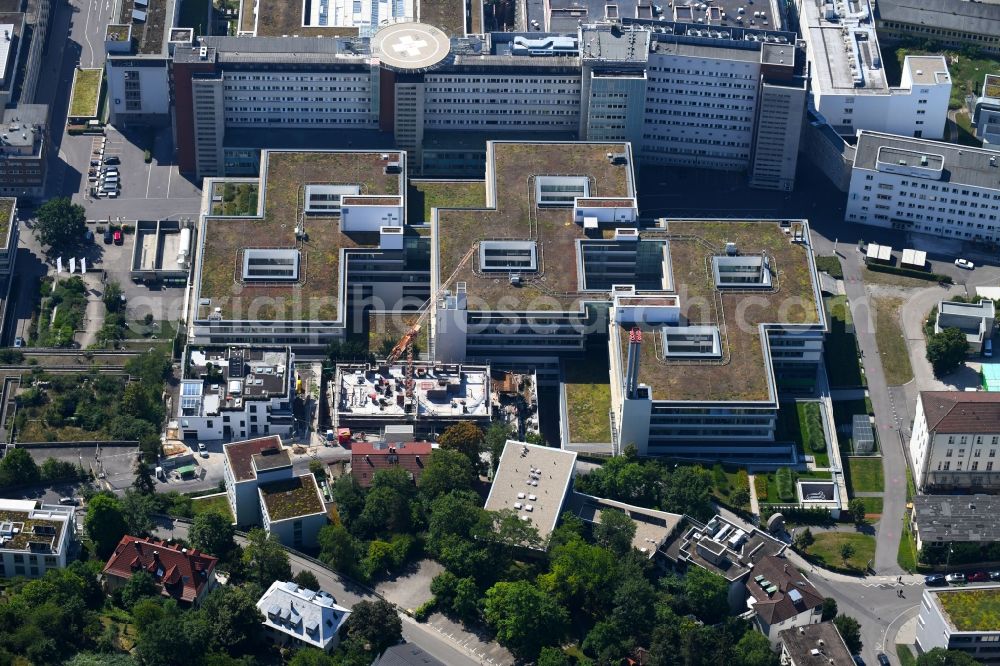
[(965, 263), (202, 450)]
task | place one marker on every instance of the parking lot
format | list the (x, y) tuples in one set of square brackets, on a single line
[(153, 190)]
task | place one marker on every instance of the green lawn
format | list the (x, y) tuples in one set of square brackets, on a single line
[(841, 349), (873, 506), (830, 264), (215, 503), (588, 398), (827, 547), (906, 657), (906, 556), (971, 609), (865, 475), (794, 421), (890, 340)]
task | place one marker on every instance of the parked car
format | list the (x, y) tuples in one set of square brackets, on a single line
[(68, 501), (883, 660), (202, 450), (88, 236), (112, 159), (935, 579), (956, 578), (979, 577), (965, 263), (988, 348), (108, 237), (995, 575), (118, 238), (18, 342)]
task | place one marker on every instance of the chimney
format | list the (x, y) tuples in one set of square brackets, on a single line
[(632, 364)]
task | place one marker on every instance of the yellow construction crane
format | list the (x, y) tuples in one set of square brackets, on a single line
[(405, 344)]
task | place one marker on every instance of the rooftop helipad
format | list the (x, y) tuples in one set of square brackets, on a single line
[(410, 46)]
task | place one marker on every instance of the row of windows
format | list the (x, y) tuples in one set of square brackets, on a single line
[(946, 466), (500, 79)]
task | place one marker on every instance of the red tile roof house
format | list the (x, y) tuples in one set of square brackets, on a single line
[(181, 573), (781, 597), (368, 458)]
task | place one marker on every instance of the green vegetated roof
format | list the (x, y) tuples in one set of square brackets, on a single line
[(972, 610), (588, 400), (742, 373), (516, 216), (86, 93), (315, 296), (292, 498)]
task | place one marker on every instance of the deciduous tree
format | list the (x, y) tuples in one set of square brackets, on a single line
[(466, 438), (213, 533), (524, 617), (615, 531), (946, 350), (61, 224), (105, 524), (264, 559), (850, 631), (446, 471)]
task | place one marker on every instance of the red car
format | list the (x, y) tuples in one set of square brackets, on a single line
[(118, 238), (979, 577)]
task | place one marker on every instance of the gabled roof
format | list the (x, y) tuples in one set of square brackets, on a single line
[(180, 573), (368, 458), (793, 594), (961, 411)]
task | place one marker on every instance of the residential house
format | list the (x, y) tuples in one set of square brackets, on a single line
[(781, 598), (183, 574), (298, 617), (937, 520), (370, 457)]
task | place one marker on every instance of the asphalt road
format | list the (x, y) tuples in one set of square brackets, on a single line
[(347, 594)]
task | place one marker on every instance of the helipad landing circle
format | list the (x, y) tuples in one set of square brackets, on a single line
[(410, 46)]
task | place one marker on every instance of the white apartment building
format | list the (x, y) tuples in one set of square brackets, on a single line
[(235, 392), (262, 490), (955, 441), (924, 186), (34, 537), (848, 82), (248, 464), (967, 630)]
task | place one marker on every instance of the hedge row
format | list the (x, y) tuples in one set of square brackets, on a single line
[(910, 272)]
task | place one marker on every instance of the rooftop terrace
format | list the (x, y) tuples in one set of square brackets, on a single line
[(33, 526), (742, 372), (149, 30), (224, 377), (512, 213), (314, 295), (292, 498)]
